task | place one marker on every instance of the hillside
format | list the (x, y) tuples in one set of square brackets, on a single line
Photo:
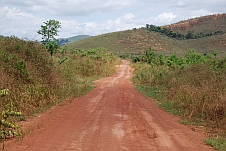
[(36, 81), (203, 24), (63, 41), (137, 40)]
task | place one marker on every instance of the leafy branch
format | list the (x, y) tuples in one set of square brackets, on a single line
[(7, 127)]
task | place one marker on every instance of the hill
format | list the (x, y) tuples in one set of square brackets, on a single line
[(205, 24), (137, 40), (63, 41)]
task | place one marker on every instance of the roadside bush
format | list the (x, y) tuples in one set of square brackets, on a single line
[(37, 81), (193, 86)]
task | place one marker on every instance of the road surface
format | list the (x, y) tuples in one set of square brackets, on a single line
[(114, 116)]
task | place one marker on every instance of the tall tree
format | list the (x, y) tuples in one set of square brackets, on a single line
[(48, 31)]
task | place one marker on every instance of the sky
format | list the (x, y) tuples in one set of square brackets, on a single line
[(23, 18)]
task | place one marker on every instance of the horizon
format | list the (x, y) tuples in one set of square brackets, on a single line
[(118, 31), (23, 18), (27, 38)]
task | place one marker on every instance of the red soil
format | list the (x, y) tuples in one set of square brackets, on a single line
[(114, 116)]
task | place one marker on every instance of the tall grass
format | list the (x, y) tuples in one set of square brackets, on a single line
[(198, 94), (83, 67), (194, 89), (37, 81)]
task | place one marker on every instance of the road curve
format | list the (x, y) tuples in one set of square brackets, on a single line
[(114, 116)]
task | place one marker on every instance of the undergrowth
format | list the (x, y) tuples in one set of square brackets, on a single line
[(37, 81), (193, 86), (218, 143)]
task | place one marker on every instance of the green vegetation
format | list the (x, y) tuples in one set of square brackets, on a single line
[(48, 31), (32, 80), (133, 42), (192, 86), (218, 143), (63, 41), (35, 81), (180, 36), (188, 83), (82, 67), (7, 127)]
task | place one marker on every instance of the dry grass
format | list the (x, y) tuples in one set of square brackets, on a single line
[(197, 93), (36, 81), (137, 40), (205, 24)]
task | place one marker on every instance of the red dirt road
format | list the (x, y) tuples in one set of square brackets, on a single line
[(112, 117)]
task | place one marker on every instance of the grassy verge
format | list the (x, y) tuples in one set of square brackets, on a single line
[(193, 87), (36, 81), (218, 143)]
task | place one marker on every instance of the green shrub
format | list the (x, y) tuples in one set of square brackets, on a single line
[(197, 92), (37, 81), (7, 126)]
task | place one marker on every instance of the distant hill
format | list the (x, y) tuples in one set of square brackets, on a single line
[(205, 24), (63, 41), (137, 40)]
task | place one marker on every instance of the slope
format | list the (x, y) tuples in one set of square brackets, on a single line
[(63, 41), (203, 24), (137, 40)]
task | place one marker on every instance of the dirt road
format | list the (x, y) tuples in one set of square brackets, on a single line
[(112, 117)]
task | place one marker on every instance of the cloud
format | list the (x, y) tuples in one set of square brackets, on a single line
[(69, 7), (23, 18), (13, 14), (125, 22), (198, 5), (164, 18), (121, 23), (18, 23)]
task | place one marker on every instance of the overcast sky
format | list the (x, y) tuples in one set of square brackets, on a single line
[(22, 18)]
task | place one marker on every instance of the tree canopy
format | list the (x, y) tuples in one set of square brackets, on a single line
[(48, 31)]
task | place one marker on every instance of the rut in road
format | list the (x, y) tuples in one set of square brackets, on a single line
[(114, 116)]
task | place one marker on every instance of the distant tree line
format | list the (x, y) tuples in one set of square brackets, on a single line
[(180, 36)]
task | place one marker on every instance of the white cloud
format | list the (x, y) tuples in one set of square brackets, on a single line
[(124, 22), (13, 14), (127, 21), (164, 18), (23, 18), (70, 7), (201, 12), (180, 3), (18, 23)]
